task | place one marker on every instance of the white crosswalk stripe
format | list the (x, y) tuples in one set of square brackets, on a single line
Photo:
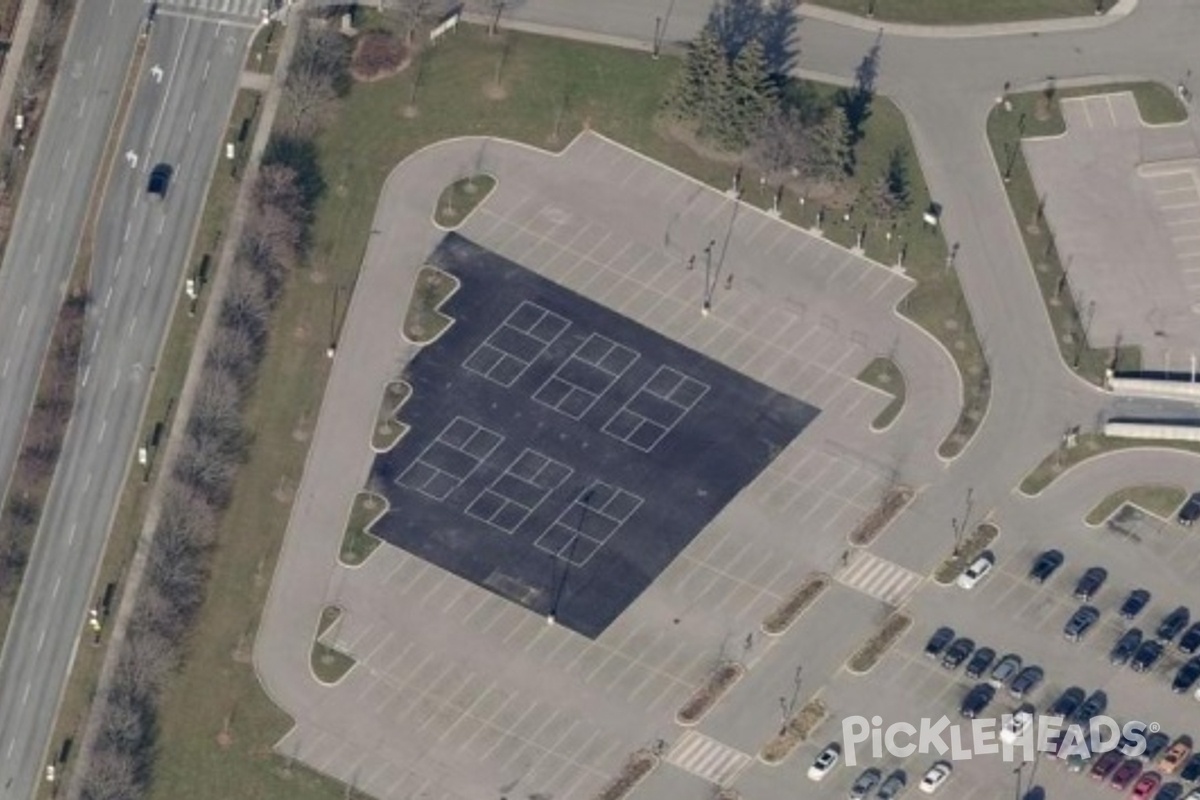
[(879, 578), (250, 10), (707, 758)]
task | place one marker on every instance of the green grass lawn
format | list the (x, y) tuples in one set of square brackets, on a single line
[(884, 375), (966, 12), (423, 322), (460, 198), (1087, 446), (1161, 501), (328, 664), (1036, 114), (358, 543), (387, 428), (216, 724)]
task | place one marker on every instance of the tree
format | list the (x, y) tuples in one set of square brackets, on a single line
[(830, 152), (752, 95), (780, 143), (891, 194), (410, 15), (694, 83), (318, 75)]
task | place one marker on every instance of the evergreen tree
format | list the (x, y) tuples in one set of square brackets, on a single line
[(688, 97), (752, 96), (830, 154), (896, 184)]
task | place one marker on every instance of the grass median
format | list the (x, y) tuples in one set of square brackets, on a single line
[(884, 375), (967, 12), (1089, 445), (1034, 114), (217, 726), (1161, 501)]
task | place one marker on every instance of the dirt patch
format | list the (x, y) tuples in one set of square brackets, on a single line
[(779, 620), (639, 765), (495, 91), (796, 730), (873, 649), (892, 504), (722, 680)]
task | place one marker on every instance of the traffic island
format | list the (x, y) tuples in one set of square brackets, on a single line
[(884, 375), (779, 620), (874, 648), (1160, 501), (423, 323), (357, 542), (639, 765), (460, 198), (795, 730), (329, 665), (701, 702), (388, 429), (893, 502), (970, 549)]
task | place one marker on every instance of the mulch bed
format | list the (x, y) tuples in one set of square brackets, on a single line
[(797, 730), (874, 648), (892, 504), (779, 620), (721, 681), (639, 765), (979, 540)]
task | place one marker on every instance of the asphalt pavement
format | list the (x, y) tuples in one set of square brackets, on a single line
[(176, 117)]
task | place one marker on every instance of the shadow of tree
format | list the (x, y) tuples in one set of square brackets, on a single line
[(856, 101), (772, 22)]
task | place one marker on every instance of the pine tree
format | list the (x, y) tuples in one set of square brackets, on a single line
[(688, 97), (751, 98), (830, 154)]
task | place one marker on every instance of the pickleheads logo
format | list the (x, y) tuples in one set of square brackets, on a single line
[(1014, 737)]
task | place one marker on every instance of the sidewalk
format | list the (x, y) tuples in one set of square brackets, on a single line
[(16, 53)]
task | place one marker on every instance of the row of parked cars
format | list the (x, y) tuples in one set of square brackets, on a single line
[(1003, 672), (871, 780), (1142, 774)]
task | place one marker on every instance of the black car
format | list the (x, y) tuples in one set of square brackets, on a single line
[(1045, 565), (1135, 603), (160, 180), (1125, 647), (1156, 743), (977, 700), (1080, 623), (1191, 769), (1067, 702), (865, 782), (1190, 511), (938, 642), (1169, 791), (1093, 707), (1090, 583), (892, 786), (1026, 681), (957, 653), (1190, 642), (980, 662), (1146, 656), (1173, 623), (1005, 670), (1186, 677)]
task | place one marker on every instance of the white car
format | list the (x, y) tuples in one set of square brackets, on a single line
[(826, 760), (1194, 794), (975, 573), (1015, 725), (935, 777)]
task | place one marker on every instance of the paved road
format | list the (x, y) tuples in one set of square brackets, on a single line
[(140, 251)]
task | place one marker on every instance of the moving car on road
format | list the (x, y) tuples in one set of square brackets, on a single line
[(825, 761), (1090, 583), (159, 181), (1045, 565)]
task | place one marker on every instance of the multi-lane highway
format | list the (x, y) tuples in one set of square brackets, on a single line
[(177, 116)]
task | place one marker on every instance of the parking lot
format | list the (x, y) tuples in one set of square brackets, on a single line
[(1121, 200)]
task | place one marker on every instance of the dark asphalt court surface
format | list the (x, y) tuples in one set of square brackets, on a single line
[(560, 454)]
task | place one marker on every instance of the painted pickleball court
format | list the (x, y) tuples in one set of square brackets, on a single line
[(561, 455)]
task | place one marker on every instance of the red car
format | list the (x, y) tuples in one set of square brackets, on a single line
[(1125, 774), (1105, 764), (1145, 786)]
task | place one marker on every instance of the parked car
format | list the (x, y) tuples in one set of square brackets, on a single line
[(1093, 707), (1090, 583), (1189, 512), (1045, 565), (1169, 791), (1132, 746), (1067, 702), (1187, 676), (1105, 765), (935, 776), (1026, 681), (825, 761), (938, 642), (1191, 770), (1081, 622), (977, 700), (1145, 786), (1135, 603), (957, 653), (1146, 656), (867, 780), (1125, 647), (976, 572), (1173, 623), (980, 662), (1017, 723), (1125, 774), (892, 787), (1176, 754), (1005, 670), (1156, 743), (1190, 642)]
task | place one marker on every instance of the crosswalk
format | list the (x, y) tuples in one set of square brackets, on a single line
[(248, 10), (879, 578), (707, 758)]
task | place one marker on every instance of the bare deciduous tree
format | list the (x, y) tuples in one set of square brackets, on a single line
[(316, 77)]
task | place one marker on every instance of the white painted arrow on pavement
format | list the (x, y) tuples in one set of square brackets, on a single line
[(156, 72), (132, 158)]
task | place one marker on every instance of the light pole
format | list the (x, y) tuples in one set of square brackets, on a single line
[(706, 306), (657, 33)]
